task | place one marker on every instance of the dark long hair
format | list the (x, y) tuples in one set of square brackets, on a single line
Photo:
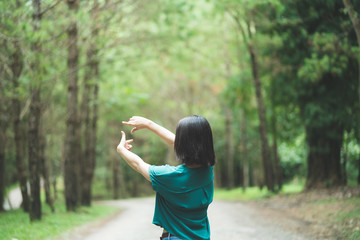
[(194, 141)]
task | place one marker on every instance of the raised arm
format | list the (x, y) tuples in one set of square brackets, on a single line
[(141, 123), (131, 158)]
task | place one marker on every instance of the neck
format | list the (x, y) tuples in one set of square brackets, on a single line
[(193, 165)]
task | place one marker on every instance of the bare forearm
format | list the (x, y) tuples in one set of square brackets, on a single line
[(135, 162), (141, 123), (162, 132)]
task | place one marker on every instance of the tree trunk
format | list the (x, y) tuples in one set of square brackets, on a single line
[(344, 153), (354, 17), (19, 132), (3, 126), (358, 180), (230, 167), (16, 67), (34, 123), (93, 135), (20, 154), (85, 122), (324, 168), (343, 168), (277, 166), (45, 171), (229, 143), (245, 161), (356, 23), (265, 150), (90, 120), (2, 156), (34, 155), (116, 177), (72, 139)]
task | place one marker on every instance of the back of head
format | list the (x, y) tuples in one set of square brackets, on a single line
[(194, 141)]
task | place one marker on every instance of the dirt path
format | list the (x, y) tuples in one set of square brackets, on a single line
[(228, 220)]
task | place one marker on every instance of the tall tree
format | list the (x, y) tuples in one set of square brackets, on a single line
[(4, 123), (12, 63), (229, 148), (320, 76), (45, 167), (229, 140), (277, 167), (354, 16), (358, 180), (244, 156), (34, 121), (72, 138), (18, 125), (89, 109), (2, 162), (247, 36)]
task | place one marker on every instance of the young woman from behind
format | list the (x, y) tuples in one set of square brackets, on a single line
[(183, 192)]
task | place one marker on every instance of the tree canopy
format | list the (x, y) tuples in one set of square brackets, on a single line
[(277, 80)]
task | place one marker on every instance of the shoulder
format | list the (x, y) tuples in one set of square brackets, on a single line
[(165, 170), (165, 178)]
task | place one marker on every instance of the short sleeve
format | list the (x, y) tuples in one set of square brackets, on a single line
[(161, 178)]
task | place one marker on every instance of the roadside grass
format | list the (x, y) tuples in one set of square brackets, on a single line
[(341, 214), (15, 224), (254, 193), (335, 209), (349, 218), (250, 193)]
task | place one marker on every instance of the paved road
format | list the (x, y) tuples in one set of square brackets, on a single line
[(13, 200), (228, 220)]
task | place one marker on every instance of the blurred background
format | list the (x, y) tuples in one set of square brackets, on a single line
[(277, 80)]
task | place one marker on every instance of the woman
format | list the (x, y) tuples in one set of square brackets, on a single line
[(184, 192)]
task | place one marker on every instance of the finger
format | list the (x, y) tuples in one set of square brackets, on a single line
[(123, 137), (133, 130), (129, 141), (129, 123), (129, 147)]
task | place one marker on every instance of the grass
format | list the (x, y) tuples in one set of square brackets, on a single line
[(15, 224), (290, 188), (349, 218), (254, 193), (342, 214), (250, 193)]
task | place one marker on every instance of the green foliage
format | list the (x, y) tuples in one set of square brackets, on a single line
[(293, 187), (293, 157), (351, 154), (168, 59), (254, 193), (319, 71)]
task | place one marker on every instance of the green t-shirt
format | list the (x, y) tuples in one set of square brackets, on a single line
[(182, 198)]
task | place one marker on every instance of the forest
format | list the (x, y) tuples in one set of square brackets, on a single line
[(278, 81)]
